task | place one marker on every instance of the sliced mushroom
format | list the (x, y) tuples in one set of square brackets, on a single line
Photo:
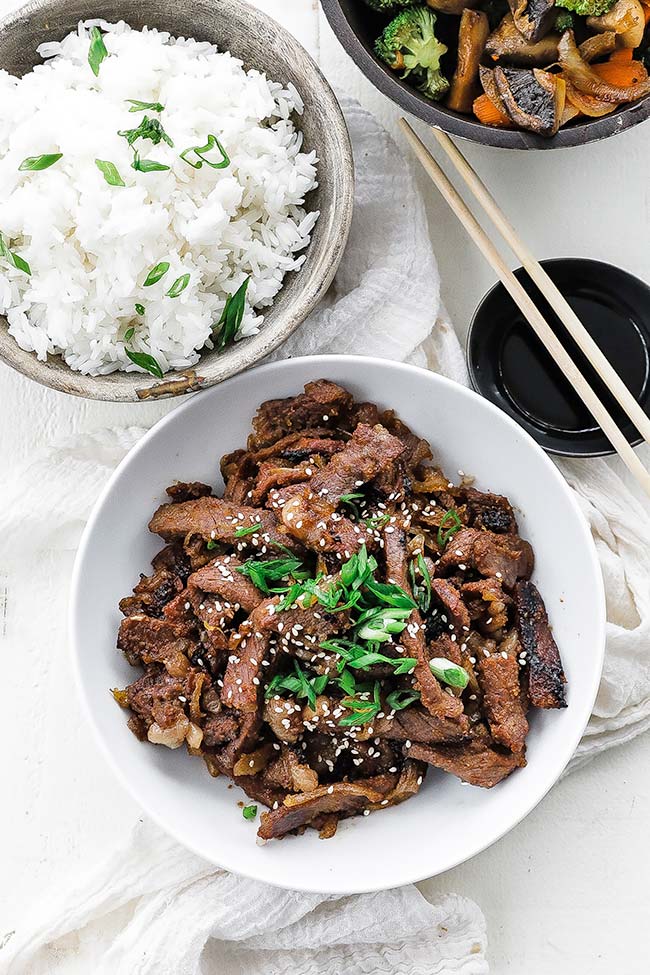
[(585, 79), (486, 76), (626, 19), (472, 35), (506, 45), (534, 100), (598, 46), (533, 18)]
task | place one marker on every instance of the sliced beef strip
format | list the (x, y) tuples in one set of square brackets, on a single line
[(298, 811), (302, 444), (503, 701), (416, 450), (220, 577), (287, 771), (159, 701), (310, 514), (259, 790), (272, 476), (220, 729), (477, 762), (545, 674), (454, 607), (323, 403), (487, 603), (179, 612), (490, 511), (284, 718), (216, 520), (146, 640), (507, 557), (446, 708), (246, 740), (415, 723), (152, 593), (251, 648), (188, 491), (238, 472)]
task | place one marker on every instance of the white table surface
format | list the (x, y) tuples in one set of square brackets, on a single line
[(566, 891)]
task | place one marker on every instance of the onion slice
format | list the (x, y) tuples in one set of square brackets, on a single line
[(582, 77)]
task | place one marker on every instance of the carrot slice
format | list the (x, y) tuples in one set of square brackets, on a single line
[(487, 113), (623, 54), (620, 73)]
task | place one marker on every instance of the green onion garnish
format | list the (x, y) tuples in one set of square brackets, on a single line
[(231, 316), (145, 361), (34, 164), (249, 812), (109, 172), (138, 106), (139, 308), (97, 50), (15, 259), (421, 590), (363, 711), (156, 273), (200, 152), (147, 165), (398, 700), (298, 684), (449, 525), (178, 286), (247, 530), (149, 128), (142, 359), (449, 672), (261, 573), (212, 544)]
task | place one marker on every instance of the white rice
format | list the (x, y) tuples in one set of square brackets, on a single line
[(90, 245)]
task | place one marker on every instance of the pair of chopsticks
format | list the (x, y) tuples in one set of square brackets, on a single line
[(555, 299)]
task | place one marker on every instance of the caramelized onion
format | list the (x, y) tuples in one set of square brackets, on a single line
[(582, 77)]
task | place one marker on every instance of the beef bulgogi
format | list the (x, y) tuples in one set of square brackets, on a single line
[(340, 619)]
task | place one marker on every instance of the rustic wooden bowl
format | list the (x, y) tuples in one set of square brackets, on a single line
[(357, 27), (261, 43)]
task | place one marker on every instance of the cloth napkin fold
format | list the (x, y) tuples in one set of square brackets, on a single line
[(152, 907)]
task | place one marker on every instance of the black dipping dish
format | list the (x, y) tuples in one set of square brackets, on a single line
[(509, 365)]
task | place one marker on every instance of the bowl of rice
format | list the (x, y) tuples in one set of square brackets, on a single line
[(176, 191)]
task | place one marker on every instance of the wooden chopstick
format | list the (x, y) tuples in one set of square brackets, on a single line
[(555, 298), (539, 324)]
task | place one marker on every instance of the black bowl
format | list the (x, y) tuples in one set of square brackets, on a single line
[(357, 28), (509, 365)]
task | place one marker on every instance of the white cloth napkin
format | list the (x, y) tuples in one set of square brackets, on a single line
[(152, 907)]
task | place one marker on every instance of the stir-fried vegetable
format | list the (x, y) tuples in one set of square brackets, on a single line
[(409, 44)]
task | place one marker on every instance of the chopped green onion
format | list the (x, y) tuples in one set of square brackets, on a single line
[(377, 521), (247, 530), (398, 700), (200, 152), (147, 165), (139, 308), (249, 812), (149, 128), (138, 106), (298, 684), (97, 51), (261, 573), (212, 544), (178, 286), (109, 172), (421, 591), (231, 317), (35, 164), (156, 273), (145, 361), (449, 672), (15, 259), (362, 711), (449, 525)]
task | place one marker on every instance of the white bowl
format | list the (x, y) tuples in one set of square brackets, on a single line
[(447, 822)]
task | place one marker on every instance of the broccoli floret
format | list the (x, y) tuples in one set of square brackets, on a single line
[(586, 8), (409, 43), (563, 21), (388, 6)]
